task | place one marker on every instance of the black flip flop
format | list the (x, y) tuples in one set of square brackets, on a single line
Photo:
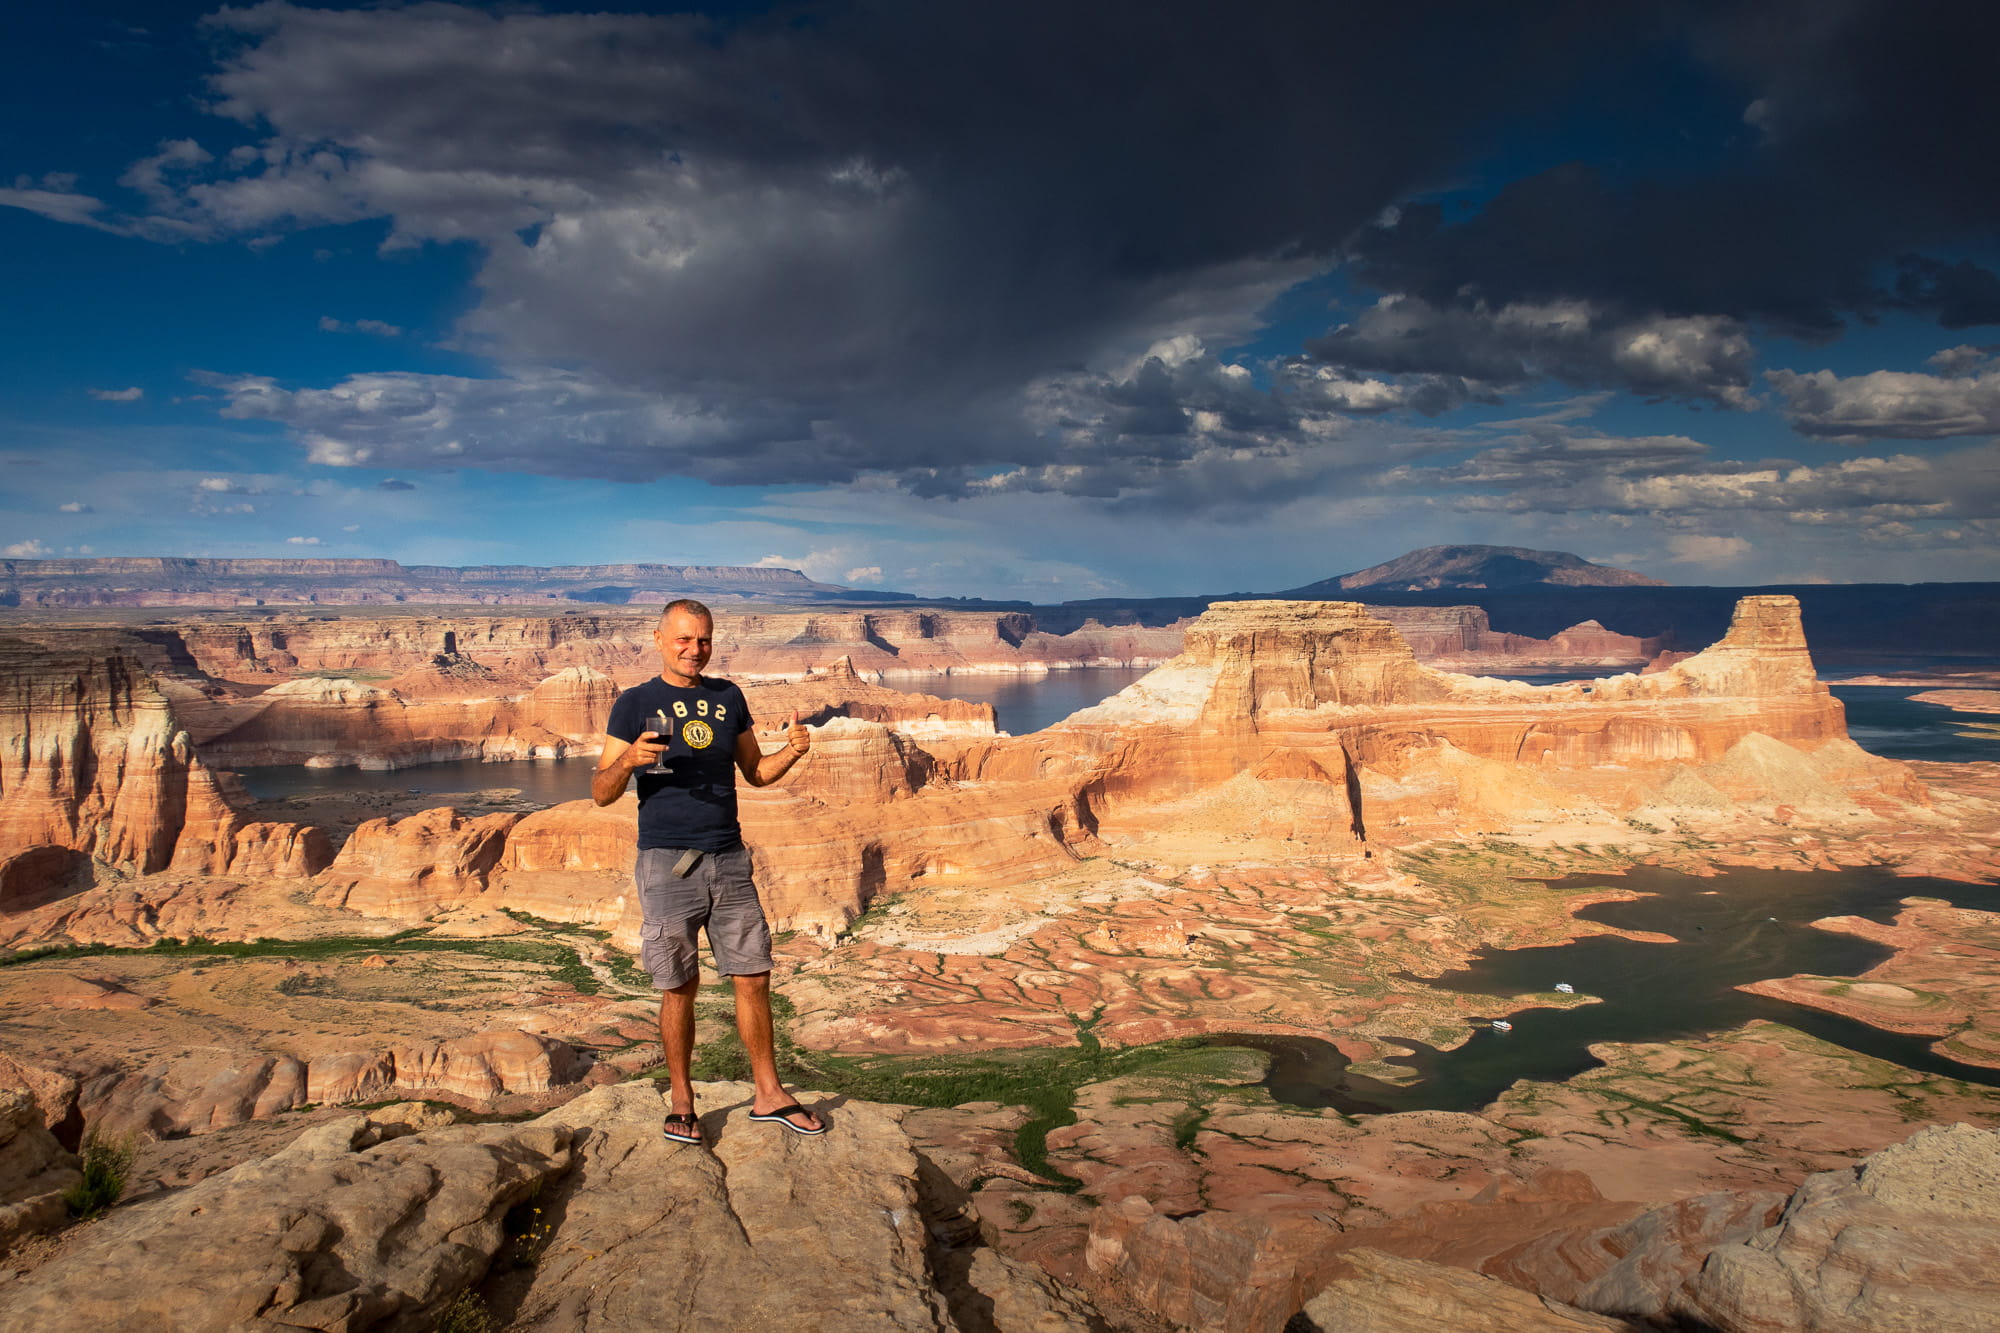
[(681, 1119), (778, 1117)]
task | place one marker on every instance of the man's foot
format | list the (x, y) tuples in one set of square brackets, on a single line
[(681, 1127), (794, 1117)]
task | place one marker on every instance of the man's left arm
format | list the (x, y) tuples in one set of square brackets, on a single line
[(760, 769)]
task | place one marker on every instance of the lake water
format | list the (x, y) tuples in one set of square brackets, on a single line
[(1026, 704), (1737, 927), (1884, 720), (541, 782)]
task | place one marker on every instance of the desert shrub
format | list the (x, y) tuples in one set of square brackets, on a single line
[(466, 1314), (106, 1164)]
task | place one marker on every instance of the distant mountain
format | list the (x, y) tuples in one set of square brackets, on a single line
[(172, 581), (1436, 567)]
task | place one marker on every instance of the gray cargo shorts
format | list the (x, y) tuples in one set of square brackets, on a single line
[(719, 895)]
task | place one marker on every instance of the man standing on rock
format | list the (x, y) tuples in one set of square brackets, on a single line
[(693, 870)]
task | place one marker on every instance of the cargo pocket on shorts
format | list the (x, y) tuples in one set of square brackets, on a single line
[(653, 952)]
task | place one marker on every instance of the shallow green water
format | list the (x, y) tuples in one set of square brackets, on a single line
[(1741, 926)]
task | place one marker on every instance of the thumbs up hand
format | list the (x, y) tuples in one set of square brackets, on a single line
[(796, 734)]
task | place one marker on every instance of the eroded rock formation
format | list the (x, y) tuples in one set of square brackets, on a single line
[(341, 1229), (1266, 689), (93, 760), (200, 1092), (1311, 722), (1907, 1239), (376, 1223), (35, 1170), (1461, 638)]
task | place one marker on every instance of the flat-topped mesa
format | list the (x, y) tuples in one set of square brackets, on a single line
[(334, 721), (1285, 655), (1760, 672), (1274, 704), (1246, 660), (1243, 659)]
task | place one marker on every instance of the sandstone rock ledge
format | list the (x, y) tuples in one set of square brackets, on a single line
[(361, 1223), (34, 1170), (1907, 1241)]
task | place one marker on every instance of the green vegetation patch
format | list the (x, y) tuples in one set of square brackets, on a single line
[(1043, 1079), (622, 966), (1500, 889), (562, 961), (107, 1162)]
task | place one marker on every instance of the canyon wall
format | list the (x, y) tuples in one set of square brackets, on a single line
[(1311, 722), (523, 649), (93, 761)]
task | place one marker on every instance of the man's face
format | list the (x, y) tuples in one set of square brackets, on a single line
[(685, 641)]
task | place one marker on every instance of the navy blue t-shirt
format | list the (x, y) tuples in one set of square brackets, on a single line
[(695, 804)]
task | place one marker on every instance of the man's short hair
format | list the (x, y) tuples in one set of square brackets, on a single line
[(689, 605)]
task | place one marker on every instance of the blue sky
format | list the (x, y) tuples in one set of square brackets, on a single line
[(1021, 301)]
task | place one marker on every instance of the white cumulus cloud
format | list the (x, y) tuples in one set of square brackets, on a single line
[(131, 395), (380, 328), (1892, 404)]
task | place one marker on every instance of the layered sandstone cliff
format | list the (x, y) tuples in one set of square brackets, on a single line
[(422, 717), (396, 691), (1311, 722), (1284, 690), (527, 648), (1462, 638), (93, 760)]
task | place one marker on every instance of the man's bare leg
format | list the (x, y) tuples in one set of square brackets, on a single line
[(753, 1025), (677, 1039)]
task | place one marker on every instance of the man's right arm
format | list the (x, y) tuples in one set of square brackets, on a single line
[(619, 760), (614, 771)]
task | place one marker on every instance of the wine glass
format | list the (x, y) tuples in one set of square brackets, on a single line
[(662, 728)]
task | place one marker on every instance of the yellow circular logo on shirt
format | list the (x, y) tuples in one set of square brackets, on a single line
[(698, 735)]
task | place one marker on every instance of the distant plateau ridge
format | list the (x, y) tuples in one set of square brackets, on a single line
[(172, 581)]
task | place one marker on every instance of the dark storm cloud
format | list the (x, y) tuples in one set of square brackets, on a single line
[(1963, 294), (992, 248), (1863, 122), (856, 237)]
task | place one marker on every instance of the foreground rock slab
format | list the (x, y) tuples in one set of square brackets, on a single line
[(1908, 1240), (1389, 1294), (761, 1229), (339, 1231)]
